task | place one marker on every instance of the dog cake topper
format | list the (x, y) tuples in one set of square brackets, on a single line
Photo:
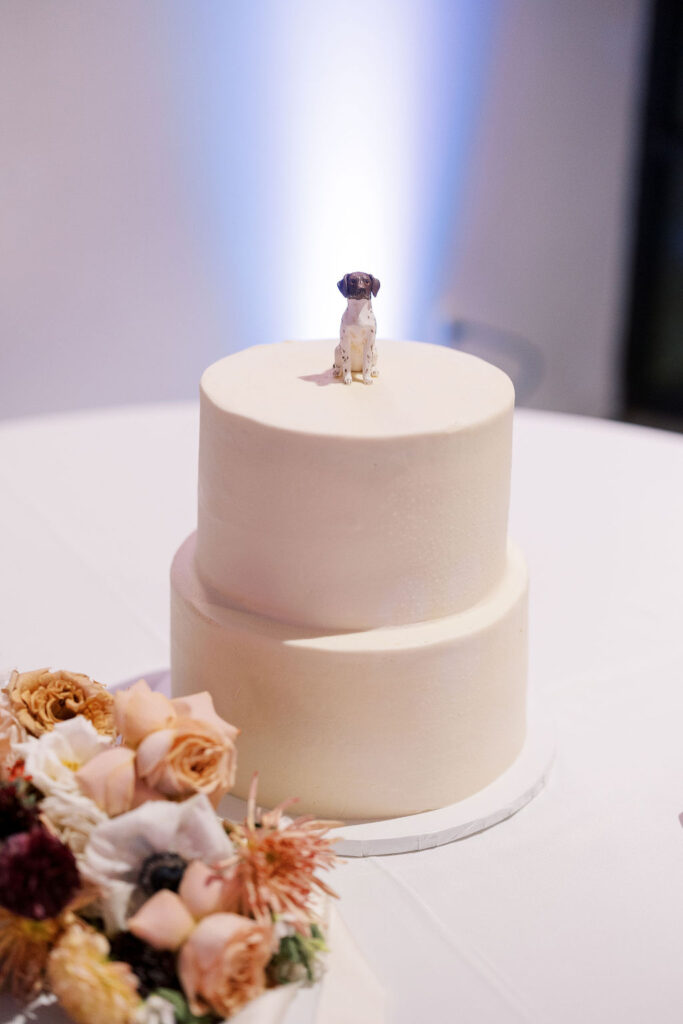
[(356, 351)]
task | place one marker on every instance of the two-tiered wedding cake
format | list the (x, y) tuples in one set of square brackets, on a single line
[(350, 598)]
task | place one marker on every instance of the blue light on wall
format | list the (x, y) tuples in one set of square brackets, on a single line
[(323, 138)]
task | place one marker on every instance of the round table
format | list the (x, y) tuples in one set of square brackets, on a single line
[(570, 911)]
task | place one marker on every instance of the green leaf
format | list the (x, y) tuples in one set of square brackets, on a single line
[(295, 950), (183, 1013)]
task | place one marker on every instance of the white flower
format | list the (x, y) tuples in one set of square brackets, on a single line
[(11, 734), (53, 758), (73, 816), (118, 847), (155, 1010)]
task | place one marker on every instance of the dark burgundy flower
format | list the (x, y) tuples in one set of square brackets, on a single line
[(154, 968), (38, 874), (16, 813)]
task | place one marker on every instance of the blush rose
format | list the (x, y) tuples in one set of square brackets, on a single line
[(140, 710), (222, 964), (109, 780), (191, 756)]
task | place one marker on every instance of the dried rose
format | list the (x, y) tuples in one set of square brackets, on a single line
[(38, 874), (222, 964), (40, 699), (90, 987), (192, 756)]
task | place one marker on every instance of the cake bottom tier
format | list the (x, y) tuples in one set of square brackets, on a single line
[(381, 723)]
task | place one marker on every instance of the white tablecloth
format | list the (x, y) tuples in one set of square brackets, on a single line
[(572, 910)]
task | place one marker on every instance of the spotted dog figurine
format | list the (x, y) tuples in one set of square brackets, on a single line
[(356, 350)]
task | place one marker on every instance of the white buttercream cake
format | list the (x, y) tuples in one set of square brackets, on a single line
[(350, 597)]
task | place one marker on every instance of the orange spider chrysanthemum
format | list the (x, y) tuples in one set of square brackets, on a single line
[(272, 872)]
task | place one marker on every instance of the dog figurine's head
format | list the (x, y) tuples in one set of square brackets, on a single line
[(358, 285)]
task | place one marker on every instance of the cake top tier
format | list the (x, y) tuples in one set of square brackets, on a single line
[(422, 389)]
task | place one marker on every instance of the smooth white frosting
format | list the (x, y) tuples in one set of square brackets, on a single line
[(353, 507), (349, 597), (377, 723)]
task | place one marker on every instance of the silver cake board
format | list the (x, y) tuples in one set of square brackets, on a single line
[(511, 791)]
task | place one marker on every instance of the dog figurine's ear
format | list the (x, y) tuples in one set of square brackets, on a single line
[(343, 286), (375, 286)]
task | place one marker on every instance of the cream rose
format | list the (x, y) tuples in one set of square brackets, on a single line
[(73, 817), (40, 699), (222, 964), (53, 759), (191, 756), (11, 733)]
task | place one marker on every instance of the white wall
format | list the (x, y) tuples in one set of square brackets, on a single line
[(179, 179), (538, 263), (105, 285)]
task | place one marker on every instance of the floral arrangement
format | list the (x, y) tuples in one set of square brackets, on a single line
[(123, 895)]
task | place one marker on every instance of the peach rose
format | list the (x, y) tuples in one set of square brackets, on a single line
[(139, 711), (163, 921), (222, 964), (109, 780), (199, 706), (40, 699), (201, 890), (189, 757)]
